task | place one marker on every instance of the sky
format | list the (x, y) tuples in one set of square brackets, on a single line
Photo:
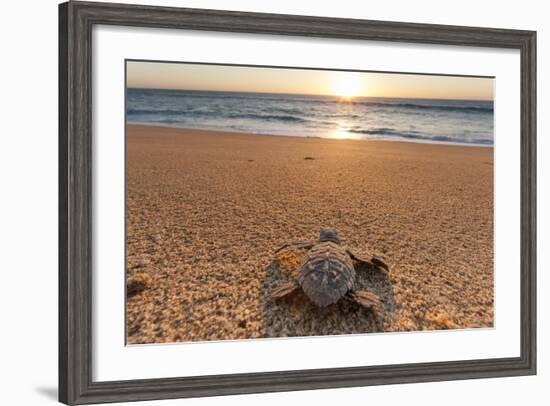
[(187, 76)]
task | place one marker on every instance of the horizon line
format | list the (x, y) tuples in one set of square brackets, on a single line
[(304, 94)]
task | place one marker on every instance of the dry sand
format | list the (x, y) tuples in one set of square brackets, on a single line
[(205, 211)]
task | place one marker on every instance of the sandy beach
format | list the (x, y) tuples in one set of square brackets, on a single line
[(206, 210)]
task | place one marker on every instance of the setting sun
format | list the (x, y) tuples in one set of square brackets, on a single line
[(344, 84), (347, 85)]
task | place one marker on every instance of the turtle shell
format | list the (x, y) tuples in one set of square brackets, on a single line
[(327, 273)]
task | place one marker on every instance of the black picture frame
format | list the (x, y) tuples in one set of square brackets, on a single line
[(76, 20)]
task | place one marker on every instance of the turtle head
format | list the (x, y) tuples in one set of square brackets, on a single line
[(329, 235)]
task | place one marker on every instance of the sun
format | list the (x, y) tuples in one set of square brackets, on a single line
[(347, 85)]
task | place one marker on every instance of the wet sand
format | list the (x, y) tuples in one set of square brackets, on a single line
[(206, 210)]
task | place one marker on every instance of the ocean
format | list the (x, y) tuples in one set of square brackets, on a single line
[(414, 120)]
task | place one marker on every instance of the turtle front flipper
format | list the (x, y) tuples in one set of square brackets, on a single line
[(284, 290), (296, 244), (373, 263), (366, 299)]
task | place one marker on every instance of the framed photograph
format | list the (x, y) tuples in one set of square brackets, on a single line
[(259, 202)]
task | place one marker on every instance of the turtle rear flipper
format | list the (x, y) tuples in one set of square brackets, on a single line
[(368, 300)]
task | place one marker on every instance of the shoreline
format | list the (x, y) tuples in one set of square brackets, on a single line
[(415, 141)]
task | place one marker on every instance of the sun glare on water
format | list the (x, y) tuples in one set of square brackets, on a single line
[(347, 85)]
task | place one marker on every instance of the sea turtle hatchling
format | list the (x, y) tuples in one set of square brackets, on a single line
[(327, 273)]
